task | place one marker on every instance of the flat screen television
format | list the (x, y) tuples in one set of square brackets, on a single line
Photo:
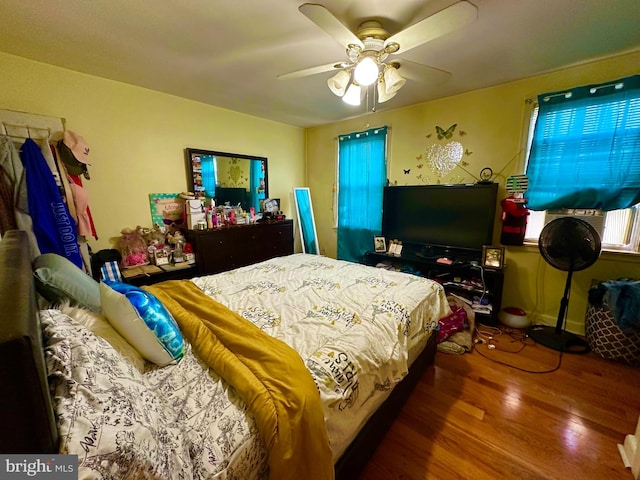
[(441, 216)]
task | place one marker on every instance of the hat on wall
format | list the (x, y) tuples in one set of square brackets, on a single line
[(74, 152)]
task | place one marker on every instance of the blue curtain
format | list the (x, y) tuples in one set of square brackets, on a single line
[(256, 190), (254, 183), (208, 166), (585, 151), (362, 175)]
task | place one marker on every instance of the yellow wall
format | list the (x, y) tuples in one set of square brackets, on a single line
[(493, 121), (138, 136)]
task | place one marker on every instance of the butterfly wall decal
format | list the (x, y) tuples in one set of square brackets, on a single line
[(448, 133), (407, 171)]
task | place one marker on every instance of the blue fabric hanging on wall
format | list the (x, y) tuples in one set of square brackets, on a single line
[(55, 230)]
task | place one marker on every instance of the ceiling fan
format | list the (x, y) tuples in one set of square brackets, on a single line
[(371, 45)]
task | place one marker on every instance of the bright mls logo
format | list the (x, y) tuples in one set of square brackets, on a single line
[(52, 467)]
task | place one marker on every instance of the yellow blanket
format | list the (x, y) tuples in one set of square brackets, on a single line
[(269, 376)]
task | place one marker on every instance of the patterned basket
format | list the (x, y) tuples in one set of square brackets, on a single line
[(608, 340)]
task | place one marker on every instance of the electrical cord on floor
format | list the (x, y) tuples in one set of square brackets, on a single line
[(475, 264), (486, 335)]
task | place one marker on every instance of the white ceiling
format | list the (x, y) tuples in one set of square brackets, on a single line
[(229, 53)]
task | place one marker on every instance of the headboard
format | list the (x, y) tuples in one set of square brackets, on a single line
[(26, 413)]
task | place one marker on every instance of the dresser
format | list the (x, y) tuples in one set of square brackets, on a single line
[(233, 246)]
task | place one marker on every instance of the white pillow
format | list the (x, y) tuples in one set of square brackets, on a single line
[(143, 321)]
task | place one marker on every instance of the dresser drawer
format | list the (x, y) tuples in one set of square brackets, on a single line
[(231, 247)]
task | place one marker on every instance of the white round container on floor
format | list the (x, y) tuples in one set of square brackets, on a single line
[(514, 317)]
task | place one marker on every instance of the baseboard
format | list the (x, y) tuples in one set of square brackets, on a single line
[(630, 452)]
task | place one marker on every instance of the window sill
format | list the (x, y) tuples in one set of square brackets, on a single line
[(530, 246)]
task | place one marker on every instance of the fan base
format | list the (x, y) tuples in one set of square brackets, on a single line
[(564, 341)]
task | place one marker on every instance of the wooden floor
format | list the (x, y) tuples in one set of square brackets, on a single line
[(473, 418)]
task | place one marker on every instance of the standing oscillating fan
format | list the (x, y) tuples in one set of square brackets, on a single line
[(568, 244)]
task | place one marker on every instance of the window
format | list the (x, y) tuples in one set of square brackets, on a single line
[(362, 174), (583, 154)]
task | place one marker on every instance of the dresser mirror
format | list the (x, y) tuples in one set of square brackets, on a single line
[(229, 178)]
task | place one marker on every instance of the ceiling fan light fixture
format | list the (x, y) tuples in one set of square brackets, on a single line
[(366, 71), (371, 44), (392, 79), (383, 96), (391, 47), (352, 97), (353, 52), (338, 83)]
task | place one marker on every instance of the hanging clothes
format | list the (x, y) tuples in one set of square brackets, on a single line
[(14, 204), (7, 213), (73, 152), (53, 226), (83, 217), (45, 148), (67, 196), (81, 201)]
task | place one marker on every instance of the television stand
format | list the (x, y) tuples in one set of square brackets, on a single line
[(461, 278)]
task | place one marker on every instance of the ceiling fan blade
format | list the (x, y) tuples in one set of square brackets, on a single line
[(330, 24), (312, 71), (445, 21), (422, 73)]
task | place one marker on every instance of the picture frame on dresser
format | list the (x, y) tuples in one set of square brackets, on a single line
[(492, 257), (379, 244)]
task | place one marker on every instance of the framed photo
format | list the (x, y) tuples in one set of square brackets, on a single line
[(379, 244), (492, 257), (160, 257), (271, 205)]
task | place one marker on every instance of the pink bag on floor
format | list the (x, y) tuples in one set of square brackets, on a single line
[(452, 323)]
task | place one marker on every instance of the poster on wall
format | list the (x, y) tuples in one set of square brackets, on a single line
[(166, 209)]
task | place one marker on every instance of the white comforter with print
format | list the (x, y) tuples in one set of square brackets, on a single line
[(357, 328)]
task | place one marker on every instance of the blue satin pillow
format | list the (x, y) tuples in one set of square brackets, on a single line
[(143, 321)]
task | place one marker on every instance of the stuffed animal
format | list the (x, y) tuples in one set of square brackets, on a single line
[(175, 238), (155, 238), (133, 248), (143, 231)]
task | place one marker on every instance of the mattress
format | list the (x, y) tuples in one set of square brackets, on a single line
[(357, 328)]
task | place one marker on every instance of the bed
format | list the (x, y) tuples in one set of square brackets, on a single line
[(336, 315)]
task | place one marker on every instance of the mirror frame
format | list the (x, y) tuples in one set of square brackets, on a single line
[(195, 184), (307, 223)]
